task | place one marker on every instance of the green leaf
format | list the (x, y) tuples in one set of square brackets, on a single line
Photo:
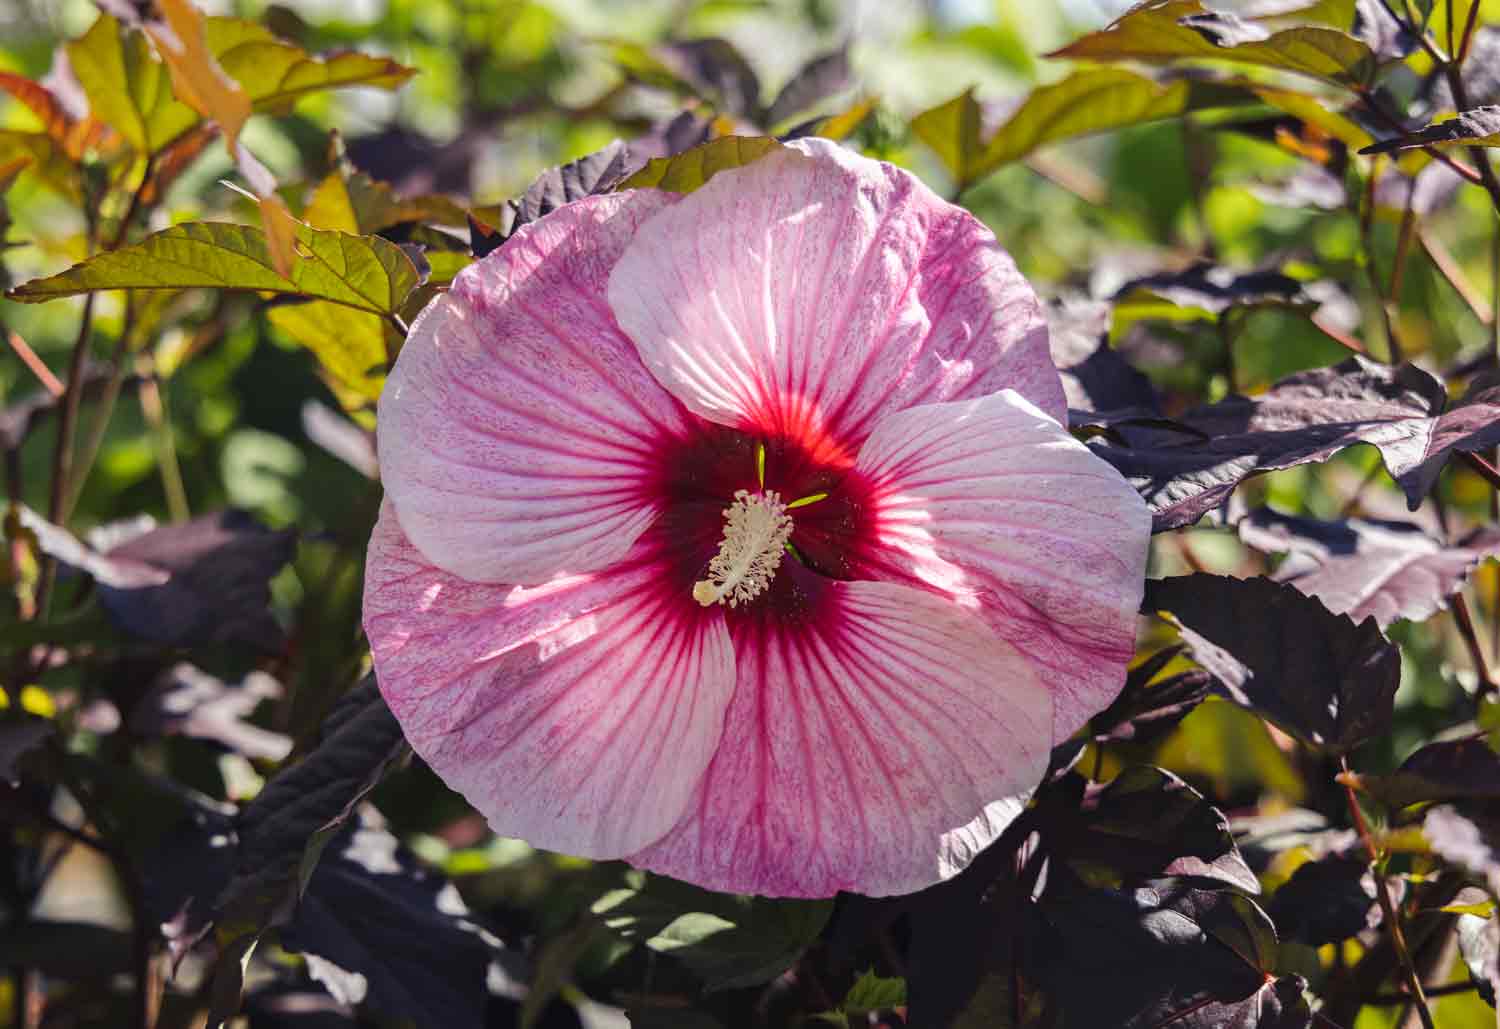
[(1083, 103), (728, 941), (1477, 127), (363, 272), (351, 201), (871, 992), (276, 73), (350, 345), (692, 168), (128, 88), (41, 156), (1168, 31)]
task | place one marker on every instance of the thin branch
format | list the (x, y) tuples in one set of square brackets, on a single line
[(38, 367), (1388, 909), (1466, 629), (1447, 266)]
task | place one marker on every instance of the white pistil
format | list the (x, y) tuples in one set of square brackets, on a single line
[(756, 528)]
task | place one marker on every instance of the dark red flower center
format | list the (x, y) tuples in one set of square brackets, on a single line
[(829, 502)]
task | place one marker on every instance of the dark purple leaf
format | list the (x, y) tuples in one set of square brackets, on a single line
[(1446, 770), (1142, 713), (361, 739), (717, 72), (1326, 901), (670, 138), (594, 173), (1479, 944), (1380, 569), (1215, 289), (1143, 824), (184, 873), (1095, 377), (1183, 473), (1381, 32), (1477, 127), (1222, 28), (378, 929), (20, 734), (817, 80), (220, 567), (1169, 952), (1277, 651), (117, 571), (189, 702)]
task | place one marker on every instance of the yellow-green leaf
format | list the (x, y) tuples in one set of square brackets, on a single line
[(363, 272), (354, 202), (44, 158), (1168, 31), (692, 168), (350, 345), (128, 88), (1083, 103), (197, 78), (276, 73)]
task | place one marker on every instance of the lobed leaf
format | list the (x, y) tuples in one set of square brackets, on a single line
[(366, 273), (1381, 569), (1169, 31), (1279, 652)]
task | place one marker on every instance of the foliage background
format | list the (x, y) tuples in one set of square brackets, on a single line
[(139, 785)]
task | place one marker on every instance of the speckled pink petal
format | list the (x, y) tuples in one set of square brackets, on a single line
[(518, 425), (994, 502), (814, 290), (876, 748), (579, 715)]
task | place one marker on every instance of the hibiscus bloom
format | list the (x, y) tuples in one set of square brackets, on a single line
[(735, 534)]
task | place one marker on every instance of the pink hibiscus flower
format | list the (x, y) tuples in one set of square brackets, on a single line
[(735, 534)]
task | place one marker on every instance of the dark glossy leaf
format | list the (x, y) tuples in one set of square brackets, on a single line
[(1170, 952), (1185, 472), (1283, 654), (219, 569), (1145, 823), (1380, 569), (1170, 31), (20, 734), (118, 571), (379, 929), (1325, 901), (716, 71), (1146, 708), (187, 701), (598, 172), (1211, 289), (1446, 770), (1096, 378), (815, 81), (361, 739), (727, 941), (185, 871), (1477, 127)]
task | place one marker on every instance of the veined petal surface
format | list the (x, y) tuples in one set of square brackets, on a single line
[(876, 746), (579, 715), (993, 502), (814, 289), (517, 427)]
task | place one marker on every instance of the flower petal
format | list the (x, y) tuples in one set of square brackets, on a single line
[(579, 715), (814, 289), (516, 428), (993, 501), (876, 746)]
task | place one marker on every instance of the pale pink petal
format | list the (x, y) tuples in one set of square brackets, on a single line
[(994, 502), (814, 290), (876, 747), (517, 429), (579, 715)]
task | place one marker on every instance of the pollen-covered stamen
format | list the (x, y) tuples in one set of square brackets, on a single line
[(756, 529)]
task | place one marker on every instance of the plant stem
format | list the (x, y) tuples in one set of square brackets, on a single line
[(1388, 909)]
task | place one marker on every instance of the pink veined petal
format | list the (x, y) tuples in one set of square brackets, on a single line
[(992, 501), (578, 715), (814, 290), (516, 430), (876, 747)]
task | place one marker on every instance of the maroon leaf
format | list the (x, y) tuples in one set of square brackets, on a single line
[(1447, 770), (1326, 901), (218, 591), (817, 80), (1380, 569), (1283, 654), (1186, 471)]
